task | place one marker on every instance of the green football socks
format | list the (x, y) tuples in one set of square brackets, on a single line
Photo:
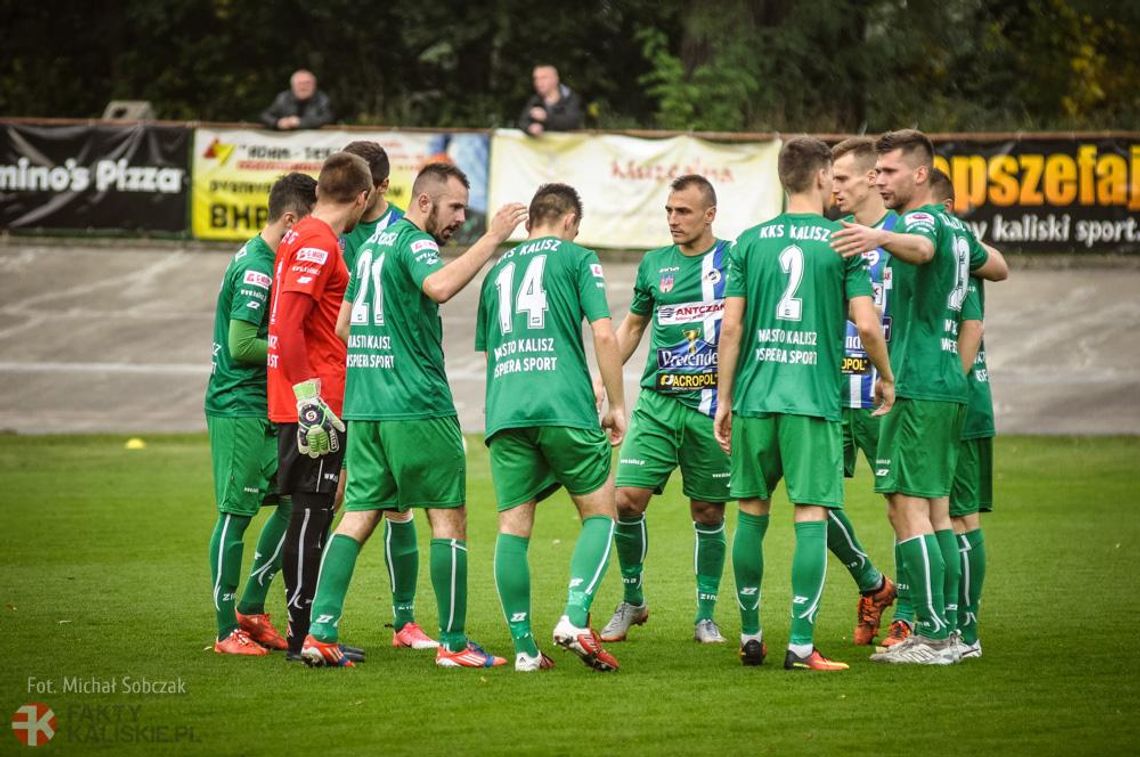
[(402, 558), (632, 541), (266, 559), (844, 544), (748, 568), (948, 545), (449, 579), (332, 585), (973, 552), (512, 579), (708, 562), (809, 568), (588, 566), (904, 610), (225, 568), (926, 575)]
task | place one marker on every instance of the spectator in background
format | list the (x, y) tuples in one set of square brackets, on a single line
[(301, 106), (554, 107)]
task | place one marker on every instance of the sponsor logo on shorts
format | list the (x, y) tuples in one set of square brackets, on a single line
[(312, 255), (631, 461), (257, 279), (689, 312)]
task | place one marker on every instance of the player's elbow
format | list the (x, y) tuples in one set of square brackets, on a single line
[(437, 290), (925, 250)]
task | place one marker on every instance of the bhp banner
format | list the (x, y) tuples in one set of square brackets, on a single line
[(234, 168), (85, 176), (1050, 194), (624, 181)]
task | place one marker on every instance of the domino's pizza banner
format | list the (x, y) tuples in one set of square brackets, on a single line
[(624, 181), (107, 177), (1048, 194), (234, 169)]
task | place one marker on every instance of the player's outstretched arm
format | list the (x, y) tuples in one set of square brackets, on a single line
[(728, 352), (995, 268), (609, 365), (629, 333), (448, 281), (855, 239), (869, 324), (969, 342)]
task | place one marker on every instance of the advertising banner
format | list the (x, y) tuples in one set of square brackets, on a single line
[(1055, 194), (106, 177), (624, 181), (233, 170)]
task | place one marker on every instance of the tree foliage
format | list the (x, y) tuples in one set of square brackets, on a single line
[(829, 65)]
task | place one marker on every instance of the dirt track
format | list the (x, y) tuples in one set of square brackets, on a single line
[(104, 339)]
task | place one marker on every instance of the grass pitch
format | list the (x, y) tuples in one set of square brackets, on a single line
[(106, 579)]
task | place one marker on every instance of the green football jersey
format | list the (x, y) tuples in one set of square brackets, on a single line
[(355, 239), (237, 390), (796, 289), (529, 323), (683, 295), (980, 405), (395, 341), (927, 307)]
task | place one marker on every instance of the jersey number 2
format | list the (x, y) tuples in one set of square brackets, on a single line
[(790, 307), (531, 298), (368, 275)]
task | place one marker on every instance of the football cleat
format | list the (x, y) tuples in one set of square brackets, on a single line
[(355, 654), (471, 656), (899, 631), (585, 643), (919, 650), (625, 615), (412, 636), (524, 663), (753, 652), (869, 612), (706, 632), (318, 654), (238, 642), (813, 661), (970, 651), (260, 629)]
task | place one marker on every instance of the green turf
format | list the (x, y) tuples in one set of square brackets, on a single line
[(105, 575)]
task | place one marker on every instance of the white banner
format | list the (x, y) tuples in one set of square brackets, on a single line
[(233, 170), (624, 181)]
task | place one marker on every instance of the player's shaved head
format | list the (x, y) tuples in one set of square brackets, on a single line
[(343, 177), (432, 180), (375, 156), (941, 188), (702, 185), (801, 160), (294, 192), (917, 149), (861, 150), (552, 202)]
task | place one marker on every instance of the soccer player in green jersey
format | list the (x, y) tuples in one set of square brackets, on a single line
[(542, 423), (401, 549), (781, 347), (932, 256), (405, 448), (680, 290), (855, 194), (243, 443), (972, 493)]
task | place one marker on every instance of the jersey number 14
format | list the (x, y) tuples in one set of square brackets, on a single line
[(530, 299)]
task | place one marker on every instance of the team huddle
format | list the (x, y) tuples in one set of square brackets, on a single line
[(777, 357)]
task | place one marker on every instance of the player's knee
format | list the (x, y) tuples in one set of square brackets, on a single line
[(448, 523), (707, 513), (632, 502), (358, 525)]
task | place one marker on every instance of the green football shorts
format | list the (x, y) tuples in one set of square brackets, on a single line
[(918, 448), (530, 463), (244, 456), (806, 452), (973, 489), (664, 433), (860, 432), (397, 465)]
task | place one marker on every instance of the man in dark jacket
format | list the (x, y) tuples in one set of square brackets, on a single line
[(554, 107), (299, 107)]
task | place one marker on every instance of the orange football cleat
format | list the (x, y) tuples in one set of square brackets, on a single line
[(869, 612), (318, 654), (412, 636), (814, 661), (238, 642), (260, 629)]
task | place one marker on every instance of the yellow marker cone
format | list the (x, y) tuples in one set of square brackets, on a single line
[(135, 443)]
